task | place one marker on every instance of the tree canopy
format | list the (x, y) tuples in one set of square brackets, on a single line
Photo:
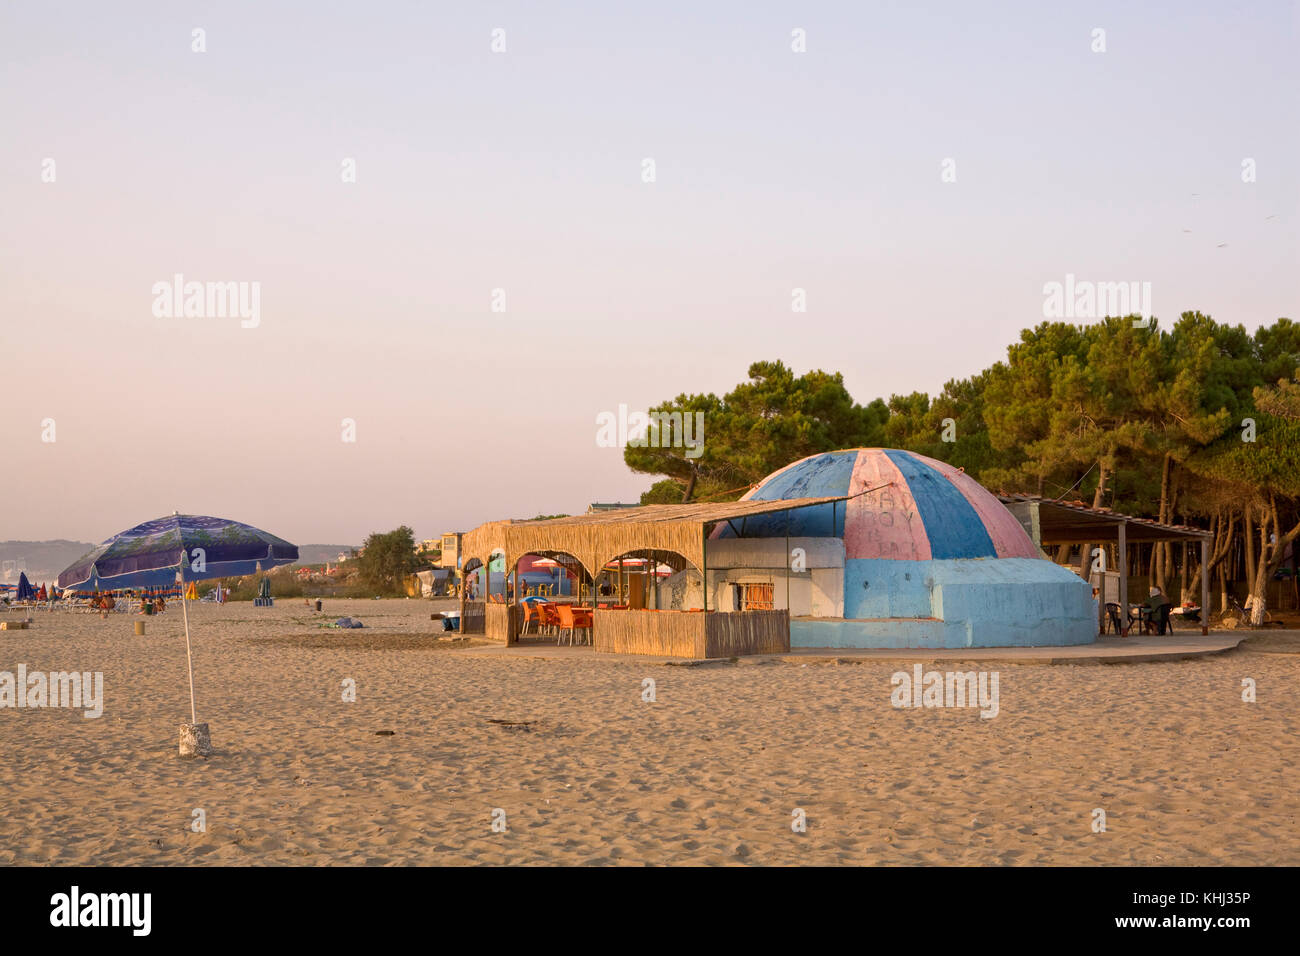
[(759, 426), (387, 558)]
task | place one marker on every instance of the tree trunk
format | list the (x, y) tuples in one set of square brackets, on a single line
[(1160, 569), (1182, 581), (690, 486), (1295, 579), (1170, 516), (1249, 535), (1270, 558), (1224, 527), (1259, 590), (1085, 558), (1100, 493)]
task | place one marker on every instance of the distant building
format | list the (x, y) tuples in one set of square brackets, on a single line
[(450, 547), (610, 506), (429, 544)]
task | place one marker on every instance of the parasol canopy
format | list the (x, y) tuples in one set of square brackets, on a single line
[(148, 555)]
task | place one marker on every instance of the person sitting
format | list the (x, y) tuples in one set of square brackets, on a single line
[(1156, 611), (109, 602)]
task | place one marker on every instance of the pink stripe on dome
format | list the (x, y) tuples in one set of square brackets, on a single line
[(1006, 532), (884, 523)]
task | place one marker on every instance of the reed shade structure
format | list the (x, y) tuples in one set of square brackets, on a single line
[(594, 540), (674, 535)]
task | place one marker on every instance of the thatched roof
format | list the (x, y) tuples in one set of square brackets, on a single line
[(596, 539)]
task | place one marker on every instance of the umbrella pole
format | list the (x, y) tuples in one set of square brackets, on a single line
[(195, 738), (189, 657)]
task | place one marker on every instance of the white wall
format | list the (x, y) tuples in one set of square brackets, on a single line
[(772, 553), (816, 591)]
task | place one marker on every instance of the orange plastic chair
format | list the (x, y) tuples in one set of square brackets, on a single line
[(531, 616), (567, 622), (551, 619), (583, 620)]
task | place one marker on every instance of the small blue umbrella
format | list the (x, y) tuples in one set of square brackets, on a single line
[(177, 549), (25, 590)]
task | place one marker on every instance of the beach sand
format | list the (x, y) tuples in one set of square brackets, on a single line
[(709, 773)]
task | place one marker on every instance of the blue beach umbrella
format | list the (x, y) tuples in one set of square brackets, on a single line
[(197, 546), (25, 590), (175, 550)]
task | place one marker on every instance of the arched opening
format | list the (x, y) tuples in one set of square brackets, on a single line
[(472, 592), (649, 579), (549, 574), (471, 579), (495, 577), (542, 581), (487, 581)]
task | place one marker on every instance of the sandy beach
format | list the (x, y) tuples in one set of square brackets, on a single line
[(709, 773)]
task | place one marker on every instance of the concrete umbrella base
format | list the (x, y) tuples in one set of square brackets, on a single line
[(196, 741)]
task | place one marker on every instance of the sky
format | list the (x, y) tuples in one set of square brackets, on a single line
[(496, 267)]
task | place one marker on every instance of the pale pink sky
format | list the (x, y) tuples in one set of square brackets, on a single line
[(522, 171)]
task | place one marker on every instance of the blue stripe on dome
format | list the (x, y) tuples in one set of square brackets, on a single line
[(953, 525), (818, 477), (822, 476)]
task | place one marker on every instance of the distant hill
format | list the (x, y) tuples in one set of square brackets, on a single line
[(322, 553), (43, 560)]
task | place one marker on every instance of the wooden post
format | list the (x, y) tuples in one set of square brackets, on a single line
[(1101, 599), (786, 559), (1123, 579), (1205, 586), (654, 576), (464, 593), (506, 569), (704, 563)]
